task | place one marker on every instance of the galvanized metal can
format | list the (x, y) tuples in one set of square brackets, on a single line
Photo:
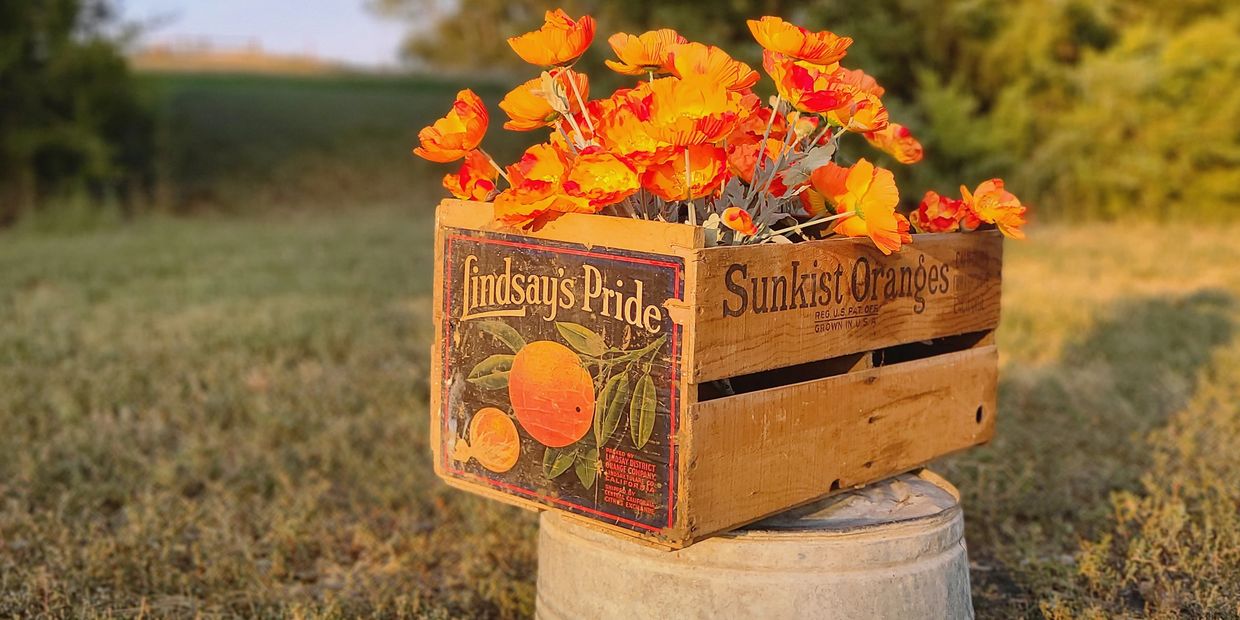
[(894, 549)]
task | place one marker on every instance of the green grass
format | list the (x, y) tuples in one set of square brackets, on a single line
[(227, 418), (335, 141)]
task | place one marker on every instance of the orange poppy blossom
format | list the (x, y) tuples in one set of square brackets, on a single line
[(896, 140), (807, 88), (620, 130), (993, 204), (537, 195), (707, 169), (870, 194), (685, 112), (739, 220), (938, 214), (863, 110), (455, 135), (711, 65), (529, 107), (645, 53), (814, 203), (559, 41), (475, 180), (743, 157), (601, 178), (753, 125), (777, 35)]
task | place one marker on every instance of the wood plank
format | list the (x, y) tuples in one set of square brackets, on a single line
[(760, 453), (770, 306), (589, 230)]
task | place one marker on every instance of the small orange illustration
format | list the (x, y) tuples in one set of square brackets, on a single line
[(551, 393), (493, 441)]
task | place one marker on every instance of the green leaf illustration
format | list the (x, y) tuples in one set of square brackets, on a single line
[(504, 333), (641, 412), (557, 461), (581, 338), (632, 355), (587, 468), (609, 406), (492, 372)]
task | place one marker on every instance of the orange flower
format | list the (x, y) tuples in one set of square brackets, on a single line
[(644, 53), (540, 167), (559, 41), (814, 203), (809, 89), (622, 131), (695, 61), (870, 194), (993, 204), (858, 80), (863, 110), (684, 112), (707, 165), (777, 35), (753, 125), (896, 140), (601, 178), (475, 180), (537, 194), (453, 136), (743, 157), (938, 214), (739, 220), (830, 181), (864, 113), (529, 105), (904, 228)]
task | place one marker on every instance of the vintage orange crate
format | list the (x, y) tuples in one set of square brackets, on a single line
[(620, 371)]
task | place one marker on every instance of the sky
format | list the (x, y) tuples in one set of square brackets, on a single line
[(341, 30)]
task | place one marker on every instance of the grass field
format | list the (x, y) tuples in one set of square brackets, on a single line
[(227, 417), (256, 142)]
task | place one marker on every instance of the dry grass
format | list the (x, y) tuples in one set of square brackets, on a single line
[(227, 418)]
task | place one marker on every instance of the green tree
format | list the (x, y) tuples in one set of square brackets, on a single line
[(70, 117)]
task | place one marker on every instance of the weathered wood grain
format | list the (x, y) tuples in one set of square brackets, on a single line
[(756, 454), (771, 306)]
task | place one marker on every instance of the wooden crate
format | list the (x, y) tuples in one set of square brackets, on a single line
[(777, 374)]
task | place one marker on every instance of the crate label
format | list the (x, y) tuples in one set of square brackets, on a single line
[(561, 374)]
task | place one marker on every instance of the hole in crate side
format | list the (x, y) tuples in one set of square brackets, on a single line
[(835, 485), (980, 414), (831, 367)]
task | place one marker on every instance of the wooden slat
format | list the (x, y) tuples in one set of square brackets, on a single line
[(589, 230), (738, 333), (760, 453)]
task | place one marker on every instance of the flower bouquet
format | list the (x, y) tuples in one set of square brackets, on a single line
[(691, 142), (749, 331)]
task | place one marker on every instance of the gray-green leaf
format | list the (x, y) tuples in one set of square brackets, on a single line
[(581, 338), (587, 468), (492, 372), (641, 412), (557, 461), (608, 406), (504, 333)]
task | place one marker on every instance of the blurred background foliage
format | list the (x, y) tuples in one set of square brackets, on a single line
[(1096, 109), (71, 119)]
